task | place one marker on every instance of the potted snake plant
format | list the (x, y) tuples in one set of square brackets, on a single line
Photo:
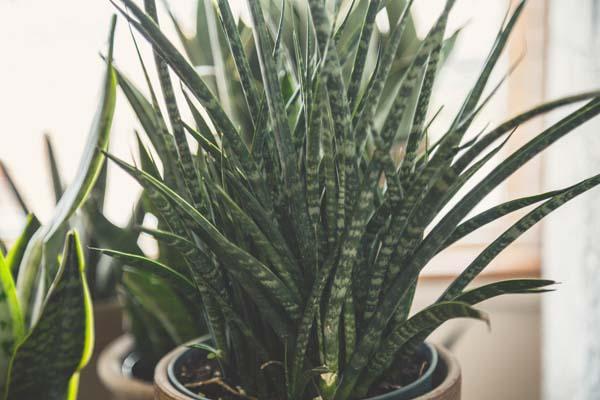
[(47, 320), (129, 361), (301, 234)]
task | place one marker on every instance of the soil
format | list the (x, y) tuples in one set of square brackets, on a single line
[(401, 378), (204, 379)]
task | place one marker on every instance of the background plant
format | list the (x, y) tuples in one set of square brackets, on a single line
[(96, 230), (300, 233), (45, 304)]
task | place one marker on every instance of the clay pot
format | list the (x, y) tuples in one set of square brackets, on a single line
[(120, 385), (108, 325), (445, 379)]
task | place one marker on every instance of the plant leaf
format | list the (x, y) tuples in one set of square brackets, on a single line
[(60, 342), (11, 320), (45, 244)]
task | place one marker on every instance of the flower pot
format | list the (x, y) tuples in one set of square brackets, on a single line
[(108, 319), (440, 382), (114, 368)]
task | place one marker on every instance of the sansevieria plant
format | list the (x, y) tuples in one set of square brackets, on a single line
[(298, 231), (46, 323), (95, 229)]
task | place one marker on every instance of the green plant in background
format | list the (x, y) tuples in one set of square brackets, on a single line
[(47, 356), (298, 231), (96, 230), (46, 333), (157, 317)]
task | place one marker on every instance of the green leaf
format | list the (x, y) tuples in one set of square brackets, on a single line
[(282, 132), (16, 252), (14, 189), (425, 320), (250, 273), (12, 327), (512, 286), (188, 171), (360, 58), (59, 345), (373, 96), (45, 244), (57, 184), (495, 213), (516, 230), (165, 305), (188, 75), (241, 61), (211, 350)]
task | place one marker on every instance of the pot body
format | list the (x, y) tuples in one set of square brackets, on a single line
[(445, 379), (108, 325), (117, 384)]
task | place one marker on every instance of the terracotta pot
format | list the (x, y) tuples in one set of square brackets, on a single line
[(110, 370), (108, 325), (446, 379)]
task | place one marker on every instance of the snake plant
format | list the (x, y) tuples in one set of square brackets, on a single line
[(46, 329), (299, 232)]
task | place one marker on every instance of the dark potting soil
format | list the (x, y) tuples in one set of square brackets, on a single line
[(202, 377), (401, 378)]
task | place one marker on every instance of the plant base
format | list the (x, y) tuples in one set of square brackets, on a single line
[(447, 379)]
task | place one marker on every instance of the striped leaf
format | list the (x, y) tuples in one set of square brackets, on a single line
[(430, 318), (513, 286), (199, 89), (282, 133), (497, 212), (185, 158), (250, 272), (59, 345), (516, 230)]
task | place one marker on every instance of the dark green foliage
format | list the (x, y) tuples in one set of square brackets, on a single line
[(302, 236)]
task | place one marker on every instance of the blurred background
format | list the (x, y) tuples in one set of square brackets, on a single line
[(539, 347)]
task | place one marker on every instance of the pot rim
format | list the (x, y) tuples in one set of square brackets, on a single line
[(111, 374), (428, 374)]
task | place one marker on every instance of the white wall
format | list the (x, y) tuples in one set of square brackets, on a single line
[(571, 334), (499, 363), (50, 77)]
